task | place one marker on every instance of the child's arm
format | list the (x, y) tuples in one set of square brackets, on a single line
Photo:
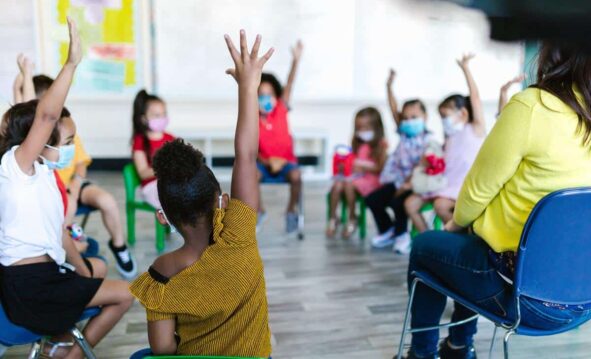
[(392, 99), (26, 68), (247, 73), (140, 161), (50, 107), (161, 337), (477, 111), (296, 54), (73, 256), (503, 98), (17, 89)]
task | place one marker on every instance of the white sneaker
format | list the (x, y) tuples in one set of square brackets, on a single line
[(383, 240), (402, 243)]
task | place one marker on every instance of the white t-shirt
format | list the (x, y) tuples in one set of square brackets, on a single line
[(31, 213)]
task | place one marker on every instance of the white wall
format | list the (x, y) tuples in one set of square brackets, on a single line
[(418, 40)]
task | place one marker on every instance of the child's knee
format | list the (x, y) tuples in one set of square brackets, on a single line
[(99, 268), (443, 206), (294, 176), (413, 204), (106, 202), (337, 187)]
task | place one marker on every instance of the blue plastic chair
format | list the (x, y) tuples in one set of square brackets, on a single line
[(84, 211), (11, 334), (560, 217)]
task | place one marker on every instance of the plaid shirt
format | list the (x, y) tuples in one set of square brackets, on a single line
[(404, 159)]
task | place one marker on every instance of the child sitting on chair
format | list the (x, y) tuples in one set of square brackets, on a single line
[(277, 161), (208, 297), (149, 135), (369, 147)]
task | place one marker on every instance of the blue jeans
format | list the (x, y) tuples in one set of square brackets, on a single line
[(279, 177), (462, 263)]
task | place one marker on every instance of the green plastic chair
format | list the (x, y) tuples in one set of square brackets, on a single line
[(437, 222), (361, 220), (132, 182)]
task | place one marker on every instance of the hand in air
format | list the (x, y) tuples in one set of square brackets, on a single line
[(25, 65), (248, 66), (391, 77), (75, 50), (463, 62), (297, 50), (515, 80)]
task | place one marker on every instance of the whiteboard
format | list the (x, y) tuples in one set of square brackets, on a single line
[(349, 47)]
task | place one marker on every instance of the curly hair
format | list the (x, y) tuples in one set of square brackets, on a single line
[(187, 188)]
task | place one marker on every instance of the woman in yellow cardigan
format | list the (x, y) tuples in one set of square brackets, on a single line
[(541, 143)]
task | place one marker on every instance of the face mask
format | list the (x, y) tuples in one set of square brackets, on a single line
[(450, 127), (412, 127), (265, 103), (172, 228), (365, 136), (66, 155), (158, 124)]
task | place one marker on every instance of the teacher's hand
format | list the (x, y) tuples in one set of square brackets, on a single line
[(452, 226)]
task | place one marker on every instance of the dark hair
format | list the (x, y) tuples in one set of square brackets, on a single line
[(187, 188), (272, 80), (375, 120), (140, 106), (562, 68), (19, 119), (42, 84), (415, 101), (459, 102)]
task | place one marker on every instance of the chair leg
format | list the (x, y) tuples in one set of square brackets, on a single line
[(406, 319), (344, 215), (130, 212), (492, 342), (35, 350), (506, 343), (160, 234), (301, 215), (362, 219), (84, 220), (82, 343)]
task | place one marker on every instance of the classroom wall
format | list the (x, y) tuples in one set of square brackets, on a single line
[(105, 125)]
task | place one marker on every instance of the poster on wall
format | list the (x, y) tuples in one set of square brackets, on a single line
[(113, 44)]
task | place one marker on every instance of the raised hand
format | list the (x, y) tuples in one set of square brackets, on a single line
[(297, 50), (391, 77), (25, 65), (75, 50), (516, 80), (463, 62), (248, 66)]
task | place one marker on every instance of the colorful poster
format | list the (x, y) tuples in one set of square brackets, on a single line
[(111, 36)]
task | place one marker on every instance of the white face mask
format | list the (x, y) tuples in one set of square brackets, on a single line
[(365, 136), (451, 127)]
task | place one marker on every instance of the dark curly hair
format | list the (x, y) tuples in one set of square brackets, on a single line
[(272, 80), (18, 121), (187, 188), (459, 102)]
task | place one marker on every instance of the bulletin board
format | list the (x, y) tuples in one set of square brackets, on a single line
[(116, 44)]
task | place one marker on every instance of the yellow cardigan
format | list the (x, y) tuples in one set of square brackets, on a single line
[(533, 149)]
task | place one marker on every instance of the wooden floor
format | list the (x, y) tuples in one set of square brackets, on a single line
[(327, 298)]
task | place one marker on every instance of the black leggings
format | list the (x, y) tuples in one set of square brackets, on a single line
[(384, 197)]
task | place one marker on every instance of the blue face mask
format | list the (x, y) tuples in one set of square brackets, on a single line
[(66, 155), (265, 103), (412, 127)]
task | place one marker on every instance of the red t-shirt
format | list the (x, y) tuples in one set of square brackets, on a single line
[(274, 137), (63, 191), (155, 145)]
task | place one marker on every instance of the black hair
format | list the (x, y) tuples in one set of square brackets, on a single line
[(415, 101), (459, 102), (272, 80), (41, 84), (187, 188), (140, 106), (562, 68), (19, 119)]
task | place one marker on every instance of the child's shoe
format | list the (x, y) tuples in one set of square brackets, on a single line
[(291, 222), (383, 240), (124, 261), (402, 243)]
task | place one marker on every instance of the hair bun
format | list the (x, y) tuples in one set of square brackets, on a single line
[(177, 161)]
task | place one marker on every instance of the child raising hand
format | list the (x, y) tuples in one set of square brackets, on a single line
[(208, 297)]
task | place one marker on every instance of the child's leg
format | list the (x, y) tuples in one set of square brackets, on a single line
[(115, 299), (150, 194), (444, 208), (377, 202), (401, 217), (336, 193), (97, 197), (294, 177), (351, 197), (99, 267), (413, 205)]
